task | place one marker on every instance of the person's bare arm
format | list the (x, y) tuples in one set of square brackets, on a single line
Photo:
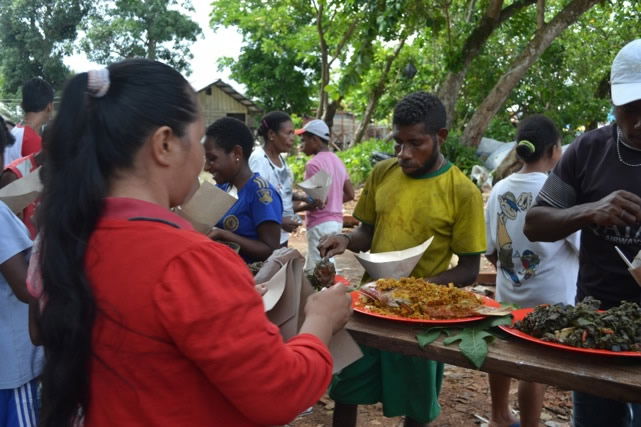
[(348, 191), (14, 271), (359, 240), (549, 224), (34, 329), (493, 258), (465, 273), (7, 177), (268, 240)]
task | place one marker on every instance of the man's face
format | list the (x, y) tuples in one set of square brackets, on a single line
[(418, 152), (629, 120), (310, 144)]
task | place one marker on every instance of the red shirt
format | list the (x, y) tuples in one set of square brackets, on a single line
[(20, 168), (181, 337), (31, 141)]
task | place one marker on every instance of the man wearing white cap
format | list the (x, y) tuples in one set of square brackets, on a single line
[(327, 219), (596, 187)]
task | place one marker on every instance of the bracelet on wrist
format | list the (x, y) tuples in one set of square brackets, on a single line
[(347, 236)]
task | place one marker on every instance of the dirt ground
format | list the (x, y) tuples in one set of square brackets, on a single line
[(464, 398)]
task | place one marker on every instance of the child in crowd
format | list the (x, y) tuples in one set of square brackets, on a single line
[(329, 218), (528, 273), (37, 104), (254, 220), (21, 361), (145, 321)]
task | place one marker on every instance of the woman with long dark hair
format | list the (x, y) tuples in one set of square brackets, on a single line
[(143, 320)]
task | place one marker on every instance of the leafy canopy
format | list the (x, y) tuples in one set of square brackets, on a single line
[(154, 29)]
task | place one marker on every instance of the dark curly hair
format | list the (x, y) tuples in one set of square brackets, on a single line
[(542, 135), (420, 107), (228, 132), (272, 121)]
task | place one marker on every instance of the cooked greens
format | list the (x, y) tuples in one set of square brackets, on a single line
[(616, 329)]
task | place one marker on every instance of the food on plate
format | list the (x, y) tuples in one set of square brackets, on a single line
[(418, 299), (255, 267), (323, 275), (616, 329)]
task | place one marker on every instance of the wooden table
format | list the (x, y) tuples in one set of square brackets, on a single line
[(612, 377)]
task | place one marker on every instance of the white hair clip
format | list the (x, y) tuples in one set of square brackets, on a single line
[(98, 82)]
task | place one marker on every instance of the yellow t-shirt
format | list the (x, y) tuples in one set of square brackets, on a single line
[(406, 211)]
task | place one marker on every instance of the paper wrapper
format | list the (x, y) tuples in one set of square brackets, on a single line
[(317, 186), (22, 192), (635, 271), (206, 207), (287, 293), (394, 264)]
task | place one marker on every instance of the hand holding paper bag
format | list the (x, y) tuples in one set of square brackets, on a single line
[(22, 192), (206, 207), (286, 299)]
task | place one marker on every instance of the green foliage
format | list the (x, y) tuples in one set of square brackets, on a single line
[(35, 38), (473, 339), (357, 160), (141, 28), (461, 155), (277, 81)]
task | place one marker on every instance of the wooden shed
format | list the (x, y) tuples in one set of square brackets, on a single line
[(219, 99)]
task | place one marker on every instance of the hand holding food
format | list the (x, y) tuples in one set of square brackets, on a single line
[(324, 274), (333, 245), (333, 304)]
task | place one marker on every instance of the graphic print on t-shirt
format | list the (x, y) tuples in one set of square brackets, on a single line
[(510, 207)]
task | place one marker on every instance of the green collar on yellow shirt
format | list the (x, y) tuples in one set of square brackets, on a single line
[(437, 172)]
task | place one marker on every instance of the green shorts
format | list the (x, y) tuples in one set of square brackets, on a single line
[(407, 386)]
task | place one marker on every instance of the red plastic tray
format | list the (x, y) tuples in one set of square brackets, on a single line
[(361, 309), (522, 312)]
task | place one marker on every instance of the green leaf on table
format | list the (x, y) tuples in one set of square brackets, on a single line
[(491, 322), (428, 336), (473, 344)]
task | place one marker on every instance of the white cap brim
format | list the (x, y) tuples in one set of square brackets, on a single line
[(624, 93)]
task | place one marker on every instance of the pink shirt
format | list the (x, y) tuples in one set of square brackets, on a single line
[(330, 163)]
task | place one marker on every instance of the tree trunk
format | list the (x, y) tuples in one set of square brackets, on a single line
[(602, 92), (376, 94), (449, 90), (540, 14), (330, 111), (324, 51), (534, 49)]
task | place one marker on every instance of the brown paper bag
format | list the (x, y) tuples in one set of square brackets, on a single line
[(206, 207), (288, 312), (22, 192)]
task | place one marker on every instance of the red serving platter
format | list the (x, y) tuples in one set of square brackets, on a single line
[(522, 312), (358, 307)]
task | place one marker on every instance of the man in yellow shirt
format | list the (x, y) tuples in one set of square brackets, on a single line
[(405, 201)]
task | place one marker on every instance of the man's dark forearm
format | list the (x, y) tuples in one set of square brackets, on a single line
[(548, 224), (360, 240), (465, 273)]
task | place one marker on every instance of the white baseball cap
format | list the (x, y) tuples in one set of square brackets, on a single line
[(625, 77), (316, 127)]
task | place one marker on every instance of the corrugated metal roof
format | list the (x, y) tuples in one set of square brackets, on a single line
[(251, 106)]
